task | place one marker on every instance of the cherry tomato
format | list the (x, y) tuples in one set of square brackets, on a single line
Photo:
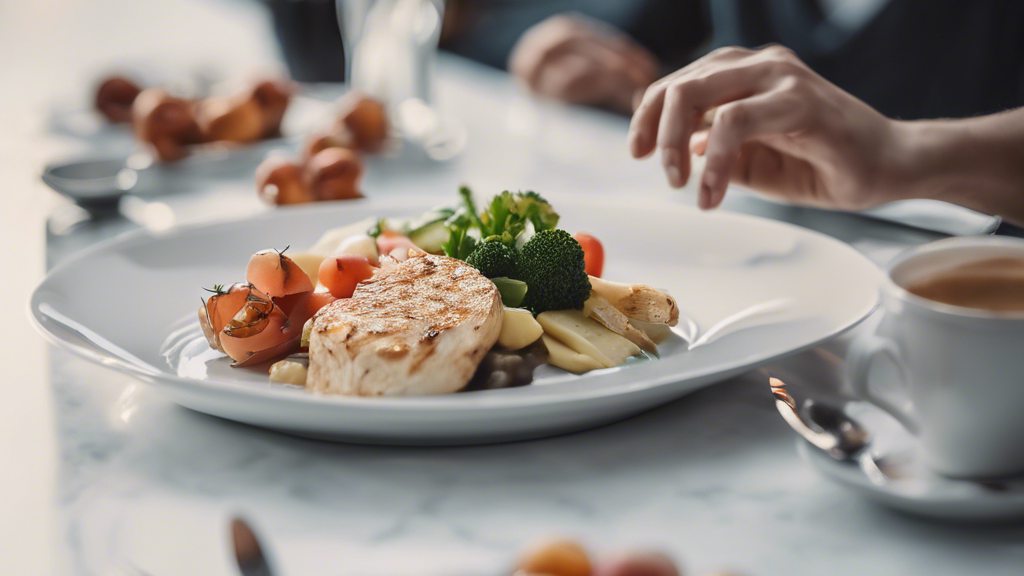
[(556, 558), (389, 240), (260, 331), (340, 273), (593, 253), (317, 300), (637, 563), (276, 275)]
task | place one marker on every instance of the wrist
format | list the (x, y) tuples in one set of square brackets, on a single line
[(924, 166), (975, 163)]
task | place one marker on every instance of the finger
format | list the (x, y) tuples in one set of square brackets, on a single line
[(686, 101), (772, 113), (765, 169), (643, 128), (699, 142), (641, 65), (638, 97), (572, 78), (539, 46), (608, 72)]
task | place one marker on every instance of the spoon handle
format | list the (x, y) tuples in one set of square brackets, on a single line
[(787, 407)]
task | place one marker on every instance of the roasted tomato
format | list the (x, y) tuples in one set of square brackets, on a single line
[(114, 98), (366, 119), (341, 273), (389, 240), (318, 300), (334, 174), (280, 182), (320, 141), (230, 119), (273, 97), (276, 275), (166, 123), (219, 309), (260, 331)]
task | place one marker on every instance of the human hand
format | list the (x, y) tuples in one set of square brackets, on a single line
[(778, 128), (583, 61)]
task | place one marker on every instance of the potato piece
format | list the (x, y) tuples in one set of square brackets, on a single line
[(307, 332), (566, 358), (309, 262), (330, 242), (638, 301), (288, 372), (519, 329), (587, 337), (609, 316), (361, 245)]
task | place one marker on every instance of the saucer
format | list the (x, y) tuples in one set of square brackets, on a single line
[(917, 490)]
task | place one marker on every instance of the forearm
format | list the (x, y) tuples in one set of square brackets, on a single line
[(977, 163)]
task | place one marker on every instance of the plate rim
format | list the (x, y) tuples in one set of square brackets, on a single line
[(494, 399)]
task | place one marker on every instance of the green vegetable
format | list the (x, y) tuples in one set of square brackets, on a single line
[(506, 217), (507, 214), (460, 244), (469, 206), (426, 220), (512, 291), (551, 264), (431, 237), (494, 258), (536, 210), (377, 229)]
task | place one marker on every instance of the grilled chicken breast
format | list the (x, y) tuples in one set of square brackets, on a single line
[(420, 326)]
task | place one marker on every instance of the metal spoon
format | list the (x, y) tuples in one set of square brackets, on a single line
[(831, 430), (248, 551)]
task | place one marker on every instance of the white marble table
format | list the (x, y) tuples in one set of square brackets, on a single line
[(108, 474)]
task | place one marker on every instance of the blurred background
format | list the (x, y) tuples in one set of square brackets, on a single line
[(557, 122)]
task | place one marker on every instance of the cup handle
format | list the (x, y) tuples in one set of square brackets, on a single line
[(861, 357)]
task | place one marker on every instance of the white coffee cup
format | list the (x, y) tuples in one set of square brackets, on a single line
[(962, 369)]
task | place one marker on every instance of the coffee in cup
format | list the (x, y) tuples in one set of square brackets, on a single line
[(953, 326)]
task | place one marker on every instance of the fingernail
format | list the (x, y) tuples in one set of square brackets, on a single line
[(710, 179), (675, 177), (636, 143), (670, 160), (704, 200)]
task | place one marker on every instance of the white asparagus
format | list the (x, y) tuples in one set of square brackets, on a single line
[(638, 301), (601, 310)]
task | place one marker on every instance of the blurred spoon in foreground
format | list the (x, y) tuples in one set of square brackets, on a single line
[(247, 549)]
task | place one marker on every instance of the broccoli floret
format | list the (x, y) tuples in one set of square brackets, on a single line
[(551, 264), (494, 259)]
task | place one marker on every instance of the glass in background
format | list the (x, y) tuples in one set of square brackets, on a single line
[(391, 49)]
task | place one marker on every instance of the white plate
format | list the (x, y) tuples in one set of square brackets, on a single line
[(750, 290)]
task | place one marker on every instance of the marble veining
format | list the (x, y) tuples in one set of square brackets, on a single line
[(712, 477)]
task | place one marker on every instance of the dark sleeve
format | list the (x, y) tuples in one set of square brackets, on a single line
[(490, 28)]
